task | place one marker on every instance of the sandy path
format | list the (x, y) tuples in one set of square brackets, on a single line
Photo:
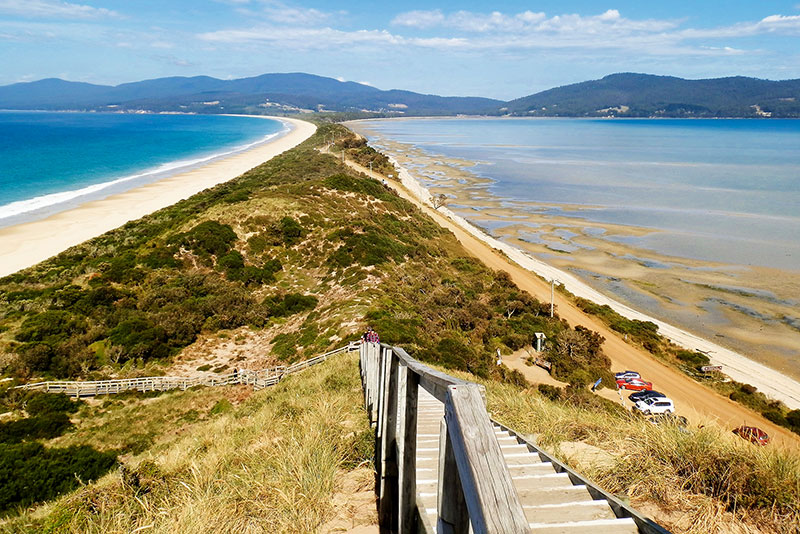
[(696, 402), (27, 244), (533, 373)]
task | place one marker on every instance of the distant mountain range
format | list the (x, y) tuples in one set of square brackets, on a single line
[(644, 95), (294, 92), (617, 95)]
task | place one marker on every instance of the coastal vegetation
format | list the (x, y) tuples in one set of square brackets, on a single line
[(645, 334), (304, 253)]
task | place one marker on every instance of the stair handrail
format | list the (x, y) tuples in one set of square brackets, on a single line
[(474, 486)]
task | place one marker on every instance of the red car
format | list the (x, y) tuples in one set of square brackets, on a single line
[(636, 384), (752, 434)]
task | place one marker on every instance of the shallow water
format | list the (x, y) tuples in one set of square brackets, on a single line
[(716, 190)]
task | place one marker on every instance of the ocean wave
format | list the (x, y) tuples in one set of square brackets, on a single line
[(21, 208)]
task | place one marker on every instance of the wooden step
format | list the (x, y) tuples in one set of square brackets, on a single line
[(568, 511), (606, 526)]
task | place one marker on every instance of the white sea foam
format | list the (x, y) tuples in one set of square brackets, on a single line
[(51, 202)]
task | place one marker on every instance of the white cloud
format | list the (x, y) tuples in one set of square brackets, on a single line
[(468, 21), (420, 19), (509, 33), (300, 38), (53, 9)]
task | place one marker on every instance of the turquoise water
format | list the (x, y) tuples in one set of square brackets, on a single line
[(54, 161), (717, 190)]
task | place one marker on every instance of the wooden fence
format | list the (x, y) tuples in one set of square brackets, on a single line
[(475, 489), (258, 379), (475, 486)]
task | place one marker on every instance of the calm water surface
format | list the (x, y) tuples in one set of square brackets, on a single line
[(718, 190)]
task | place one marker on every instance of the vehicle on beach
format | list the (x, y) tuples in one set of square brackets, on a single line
[(645, 394), (660, 405), (752, 434), (636, 384), (626, 374)]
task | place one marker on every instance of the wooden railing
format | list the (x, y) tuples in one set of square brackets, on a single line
[(258, 379), (474, 487)]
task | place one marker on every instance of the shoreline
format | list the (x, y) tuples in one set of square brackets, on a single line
[(769, 381), (43, 206), (26, 244)]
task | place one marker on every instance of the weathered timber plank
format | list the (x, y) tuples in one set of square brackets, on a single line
[(492, 501), (408, 468), (452, 508)]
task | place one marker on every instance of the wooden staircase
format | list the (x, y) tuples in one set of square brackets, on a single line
[(551, 502), (444, 466)]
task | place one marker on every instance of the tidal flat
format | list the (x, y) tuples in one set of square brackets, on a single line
[(750, 309)]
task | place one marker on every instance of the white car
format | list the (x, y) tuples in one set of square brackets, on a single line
[(622, 375), (657, 405)]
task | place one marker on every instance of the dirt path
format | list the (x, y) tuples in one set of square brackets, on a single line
[(694, 401)]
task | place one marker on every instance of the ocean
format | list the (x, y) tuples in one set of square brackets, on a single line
[(55, 161), (714, 190)]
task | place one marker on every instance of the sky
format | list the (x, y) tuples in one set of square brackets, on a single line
[(501, 49)]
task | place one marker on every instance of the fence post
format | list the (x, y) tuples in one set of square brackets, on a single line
[(407, 509), (380, 420), (387, 497), (452, 508)]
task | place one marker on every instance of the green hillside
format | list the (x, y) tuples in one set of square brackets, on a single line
[(296, 257)]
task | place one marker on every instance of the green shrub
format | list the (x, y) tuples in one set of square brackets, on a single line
[(289, 304), (140, 339), (49, 425), (32, 473), (372, 246), (50, 327), (160, 258), (208, 237), (290, 230), (793, 418), (554, 393), (695, 359), (44, 403), (231, 260)]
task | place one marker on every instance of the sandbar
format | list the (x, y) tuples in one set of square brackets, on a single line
[(27, 244)]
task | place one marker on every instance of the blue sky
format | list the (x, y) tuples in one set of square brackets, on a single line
[(507, 50)]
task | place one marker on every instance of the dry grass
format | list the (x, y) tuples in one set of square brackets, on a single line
[(694, 481), (271, 465)]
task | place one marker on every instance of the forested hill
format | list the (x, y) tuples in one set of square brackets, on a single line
[(268, 93), (645, 95), (617, 95)]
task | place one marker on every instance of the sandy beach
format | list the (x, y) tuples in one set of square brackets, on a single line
[(27, 244), (471, 200)]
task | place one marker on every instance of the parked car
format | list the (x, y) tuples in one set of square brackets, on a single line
[(636, 384), (645, 394), (626, 374), (658, 405), (752, 434)]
